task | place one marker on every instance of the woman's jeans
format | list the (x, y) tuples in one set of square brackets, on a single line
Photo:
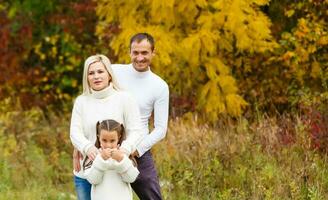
[(83, 188)]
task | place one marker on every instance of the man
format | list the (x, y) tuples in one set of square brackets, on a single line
[(152, 95)]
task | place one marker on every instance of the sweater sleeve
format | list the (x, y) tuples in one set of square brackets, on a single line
[(96, 172), (161, 112), (77, 137), (127, 171), (132, 124)]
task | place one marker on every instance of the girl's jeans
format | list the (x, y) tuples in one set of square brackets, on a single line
[(83, 188)]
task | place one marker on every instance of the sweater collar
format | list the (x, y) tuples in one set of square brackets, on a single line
[(138, 74), (101, 94)]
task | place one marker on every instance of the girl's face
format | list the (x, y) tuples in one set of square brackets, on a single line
[(98, 77), (108, 139)]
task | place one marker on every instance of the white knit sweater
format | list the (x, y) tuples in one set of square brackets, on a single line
[(152, 94), (101, 105), (111, 179)]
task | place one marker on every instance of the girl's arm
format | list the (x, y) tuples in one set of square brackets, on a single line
[(95, 173), (125, 168)]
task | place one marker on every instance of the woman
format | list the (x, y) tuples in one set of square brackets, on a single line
[(101, 99)]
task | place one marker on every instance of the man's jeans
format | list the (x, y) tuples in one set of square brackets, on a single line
[(147, 184), (82, 188)]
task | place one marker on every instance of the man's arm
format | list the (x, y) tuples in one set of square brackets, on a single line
[(161, 113), (132, 125)]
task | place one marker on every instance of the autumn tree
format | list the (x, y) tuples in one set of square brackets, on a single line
[(279, 81), (196, 42), (43, 47)]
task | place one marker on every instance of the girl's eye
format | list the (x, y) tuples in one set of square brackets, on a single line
[(90, 73)]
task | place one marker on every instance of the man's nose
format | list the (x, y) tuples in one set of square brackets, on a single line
[(140, 58)]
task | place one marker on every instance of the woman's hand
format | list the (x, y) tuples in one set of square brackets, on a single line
[(92, 152), (77, 156)]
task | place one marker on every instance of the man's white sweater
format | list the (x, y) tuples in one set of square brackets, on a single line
[(152, 94), (101, 105)]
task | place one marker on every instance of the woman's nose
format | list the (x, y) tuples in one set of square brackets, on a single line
[(96, 75)]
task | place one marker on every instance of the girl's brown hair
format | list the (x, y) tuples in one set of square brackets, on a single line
[(108, 125)]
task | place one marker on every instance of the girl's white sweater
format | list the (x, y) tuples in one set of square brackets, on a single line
[(111, 179)]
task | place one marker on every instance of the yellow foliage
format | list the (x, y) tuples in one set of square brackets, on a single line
[(190, 37), (316, 69), (232, 102)]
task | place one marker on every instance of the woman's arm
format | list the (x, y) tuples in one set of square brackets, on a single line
[(77, 137)]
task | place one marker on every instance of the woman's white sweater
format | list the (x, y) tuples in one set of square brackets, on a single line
[(101, 105)]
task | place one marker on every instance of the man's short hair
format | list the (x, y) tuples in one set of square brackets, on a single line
[(141, 36)]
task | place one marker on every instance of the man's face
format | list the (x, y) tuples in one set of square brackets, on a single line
[(141, 55)]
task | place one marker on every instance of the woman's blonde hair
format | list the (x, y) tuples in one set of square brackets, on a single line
[(106, 62)]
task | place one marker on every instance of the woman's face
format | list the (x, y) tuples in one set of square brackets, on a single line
[(98, 77), (108, 139)]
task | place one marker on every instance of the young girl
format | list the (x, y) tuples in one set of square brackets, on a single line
[(112, 171)]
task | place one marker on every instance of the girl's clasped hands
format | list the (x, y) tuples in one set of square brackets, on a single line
[(111, 153)]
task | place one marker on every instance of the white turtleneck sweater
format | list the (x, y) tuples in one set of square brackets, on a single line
[(101, 105), (111, 179), (152, 94)]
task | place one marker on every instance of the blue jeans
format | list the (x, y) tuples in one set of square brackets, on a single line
[(82, 188)]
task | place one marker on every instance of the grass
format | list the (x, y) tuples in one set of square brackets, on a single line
[(271, 158)]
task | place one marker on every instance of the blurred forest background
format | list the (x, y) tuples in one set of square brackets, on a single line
[(248, 93)]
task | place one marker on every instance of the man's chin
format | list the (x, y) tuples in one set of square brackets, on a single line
[(141, 68)]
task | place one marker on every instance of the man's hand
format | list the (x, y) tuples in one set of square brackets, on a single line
[(77, 156), (135, 154)]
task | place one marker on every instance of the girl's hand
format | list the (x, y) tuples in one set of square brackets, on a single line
[(92, 152), (117, 155), (105, 153)]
